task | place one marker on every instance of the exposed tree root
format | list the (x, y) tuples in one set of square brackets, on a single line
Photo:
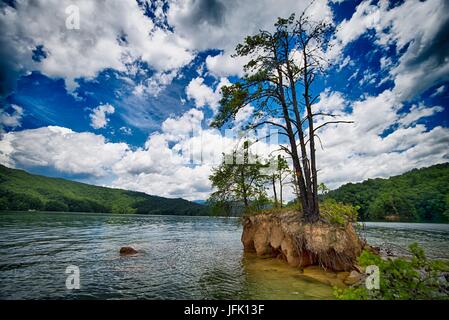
[(283, 235)]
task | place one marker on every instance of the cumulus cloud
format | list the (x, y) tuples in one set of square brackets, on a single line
[(223, 65), (383, 141), (176, 161), (61, 149), (330, 101), (186, 124), (222, 24), (98, 117), (219, 24), (203, 95), (425, 60), (112, 34)]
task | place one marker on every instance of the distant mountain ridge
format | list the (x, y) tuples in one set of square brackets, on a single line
[(417, 195), (22, 191)]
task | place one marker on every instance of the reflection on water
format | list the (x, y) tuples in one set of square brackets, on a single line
[(179, 258)]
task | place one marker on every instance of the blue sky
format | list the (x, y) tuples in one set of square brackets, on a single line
[(111, 103)]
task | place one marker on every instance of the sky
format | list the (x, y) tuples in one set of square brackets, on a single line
[(120, 93)]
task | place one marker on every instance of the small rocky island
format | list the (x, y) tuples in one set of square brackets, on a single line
[(284, 236)]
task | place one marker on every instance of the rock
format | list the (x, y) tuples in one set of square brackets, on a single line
[(373, 249), (353, 278), (261, 243), (290, 253), (128, 250), (248, 236), (276, 237), (328, 277), (342, 275)]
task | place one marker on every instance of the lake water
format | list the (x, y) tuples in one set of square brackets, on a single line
[(179, 258)]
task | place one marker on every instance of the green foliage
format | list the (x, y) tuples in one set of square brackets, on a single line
[(260, 202), (402, 278), (22, 191), (393, 204), (323, 189), (238, 181), (418, 195), (338, 213), (446, 212), (123, 209), (55, 205)]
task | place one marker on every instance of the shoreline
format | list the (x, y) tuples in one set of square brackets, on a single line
[(385, 222)]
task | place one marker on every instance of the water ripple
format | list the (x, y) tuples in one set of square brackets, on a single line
[(179, 258)]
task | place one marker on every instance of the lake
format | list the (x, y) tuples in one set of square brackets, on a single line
[(179, 257)]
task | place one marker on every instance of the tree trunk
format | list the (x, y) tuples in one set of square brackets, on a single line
[(314, 213), (273, 179), (292, 141), (280, 193), (244, 191)]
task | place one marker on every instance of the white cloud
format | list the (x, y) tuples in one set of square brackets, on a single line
[(385, 63), (383, 141), (177, 161), (330, 102), (418, 112), (365, 17), (98, 117), (203, 95), (62, 149), (126, 131), (182, 182), (155, 84), (11, 120), (438, 91), (425, 62), (243, 116), (185, 125), (112, 34), (223, 65), (217, 24)]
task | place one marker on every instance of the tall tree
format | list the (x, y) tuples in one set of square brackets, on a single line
[(278, 77)]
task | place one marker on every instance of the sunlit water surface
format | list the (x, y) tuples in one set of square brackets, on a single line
[(179, 258)]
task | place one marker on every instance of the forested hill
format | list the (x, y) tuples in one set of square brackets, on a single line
[(20, 190), (418, 195)]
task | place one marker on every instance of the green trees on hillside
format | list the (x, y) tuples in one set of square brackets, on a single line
[(418, 195), (21, 191)]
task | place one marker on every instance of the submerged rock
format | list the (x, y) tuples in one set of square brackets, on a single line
[(128, 250), (283, 235), (353, 278)]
